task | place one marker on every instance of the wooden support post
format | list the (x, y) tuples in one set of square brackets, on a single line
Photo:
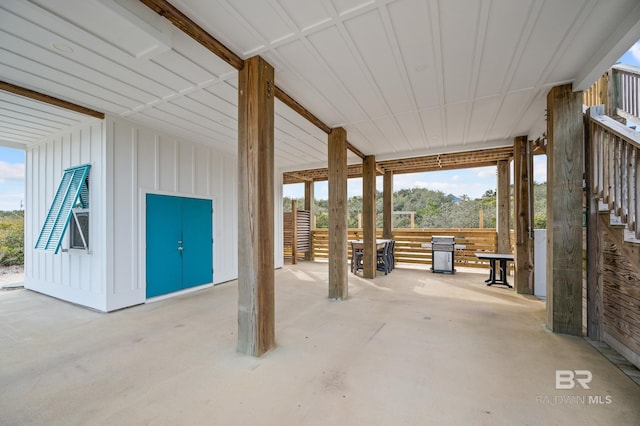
[(387, 205), (338, 279), (565, 162), (522, 194), (294, 231), (369, 216), (256, 325), (595, 255), (503, 208), (309, 204)]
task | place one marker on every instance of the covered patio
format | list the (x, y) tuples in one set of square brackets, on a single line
[(408, 348)]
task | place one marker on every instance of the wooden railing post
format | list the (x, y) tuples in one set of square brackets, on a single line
[(594, 247)]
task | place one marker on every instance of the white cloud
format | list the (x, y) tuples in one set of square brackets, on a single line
[(10, 171), (456, 177), (11, 201), (485, 172)]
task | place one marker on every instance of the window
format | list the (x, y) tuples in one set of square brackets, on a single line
[(79, 226), (79, 230), (71, 198)]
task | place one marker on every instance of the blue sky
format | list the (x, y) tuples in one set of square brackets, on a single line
[(471, 182), (11, 178)]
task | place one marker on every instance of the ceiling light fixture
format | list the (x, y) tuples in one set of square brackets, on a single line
[(62, 47)]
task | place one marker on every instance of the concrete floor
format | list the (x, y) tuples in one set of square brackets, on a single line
[(408, 348)]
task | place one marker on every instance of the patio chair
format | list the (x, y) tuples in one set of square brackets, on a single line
[(356, 259), (383, 261)]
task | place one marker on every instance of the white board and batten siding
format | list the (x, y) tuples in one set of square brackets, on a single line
[(144, 161), (74, 276), (128, 162)]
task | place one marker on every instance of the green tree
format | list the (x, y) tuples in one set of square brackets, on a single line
[(12, 238)]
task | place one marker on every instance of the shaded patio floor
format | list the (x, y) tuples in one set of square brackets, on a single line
[(408, 348)]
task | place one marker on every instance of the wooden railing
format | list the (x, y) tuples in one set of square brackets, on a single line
[(619, 91), (626, 91), (408, 247), (615, 178)]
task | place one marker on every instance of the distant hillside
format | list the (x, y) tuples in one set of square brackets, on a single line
[(433, 209)]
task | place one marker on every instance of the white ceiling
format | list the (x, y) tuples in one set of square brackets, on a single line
[(404, 77)]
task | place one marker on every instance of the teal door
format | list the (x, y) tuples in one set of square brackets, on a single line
[(179, 243)]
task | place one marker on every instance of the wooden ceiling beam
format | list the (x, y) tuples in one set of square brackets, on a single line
[(282, 96), (196, 32), (355, 150), (193, 30), (294, 105), (31, 94), (431, 163)]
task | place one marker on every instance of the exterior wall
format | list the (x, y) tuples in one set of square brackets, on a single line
[(74, 275), (143, 161), (128, 161)]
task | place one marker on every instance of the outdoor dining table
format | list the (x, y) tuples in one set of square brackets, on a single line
[(359, 245), (502, 258)]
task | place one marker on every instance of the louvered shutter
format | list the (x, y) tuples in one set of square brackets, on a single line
[(57, 220)]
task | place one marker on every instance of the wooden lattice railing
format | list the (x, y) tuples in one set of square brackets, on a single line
[(615, 180), (408, 247)]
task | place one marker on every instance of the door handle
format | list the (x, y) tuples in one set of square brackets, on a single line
[(180, 248)]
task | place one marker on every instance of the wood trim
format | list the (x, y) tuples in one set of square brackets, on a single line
[(193, 30), (32, 94)]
